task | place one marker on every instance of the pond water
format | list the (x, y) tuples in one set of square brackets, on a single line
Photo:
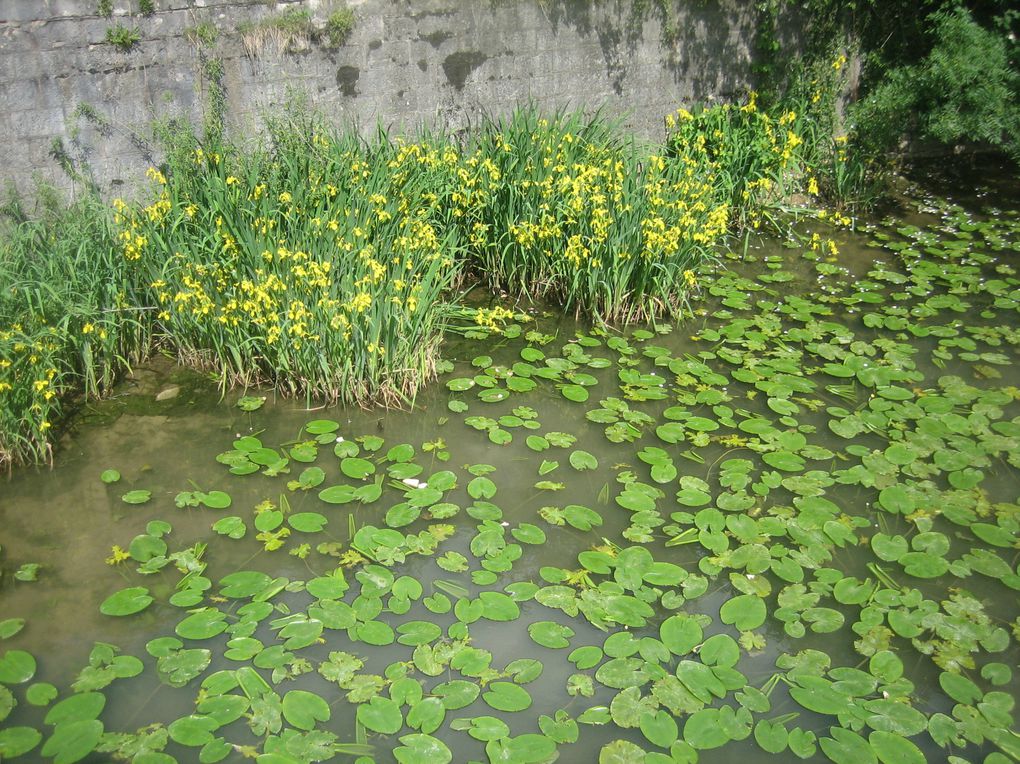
[(786, 528)]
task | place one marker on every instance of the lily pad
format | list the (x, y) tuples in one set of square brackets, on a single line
[(11, 626), (380, 715), (16, 667), (550, 634), (506, 696), (17, 741), (304, 709), (232, 527), (307, 522), (895, 749), (422, 749), (703, 731), (73, 741), (745, 612)]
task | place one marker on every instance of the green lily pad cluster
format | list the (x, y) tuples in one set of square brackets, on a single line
[(796, 528)]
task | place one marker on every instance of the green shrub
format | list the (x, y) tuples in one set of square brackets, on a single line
[(752, 156), (963, 91)]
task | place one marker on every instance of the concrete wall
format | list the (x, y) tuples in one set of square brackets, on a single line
[(407, 62)]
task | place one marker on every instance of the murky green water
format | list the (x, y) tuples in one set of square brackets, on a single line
[(822, 465)]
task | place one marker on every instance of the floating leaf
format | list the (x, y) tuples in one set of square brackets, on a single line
[(422, 749), (129, 601), (456, 693), (575, 393), (16, 666), (41, 694), (17, 741), (426, 715), (497, 606), (819, 696), (745, 611), (895, 498), (250, 403), (376, 633), (322, 426), (307, 522), (506, 696), (73, 741), (204, 624), (11, 626), (560, 729), (303, 709), (703, 731), (550, 634), (380, 715), (85, 705), (772, 737), (527, 533), (356, 468), (244, 583), (233, 527), (846, 747), (659, 728), (481, 488), (895, 749), (959, 688), (680, 633)]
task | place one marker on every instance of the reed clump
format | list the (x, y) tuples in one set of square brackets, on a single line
[(325, 265)]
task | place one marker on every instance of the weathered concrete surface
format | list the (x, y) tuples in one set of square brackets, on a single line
[(407, 62)]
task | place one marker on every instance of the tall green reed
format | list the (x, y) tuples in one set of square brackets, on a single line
[(561, 206), (316, 265), (69, 321)]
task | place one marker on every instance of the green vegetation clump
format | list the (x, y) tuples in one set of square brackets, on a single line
[(293, 27), (204, 34), (316, 267), (281, 31), (122, 37), (292, 21), (146, 7), (563, 207), (339, 25)]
